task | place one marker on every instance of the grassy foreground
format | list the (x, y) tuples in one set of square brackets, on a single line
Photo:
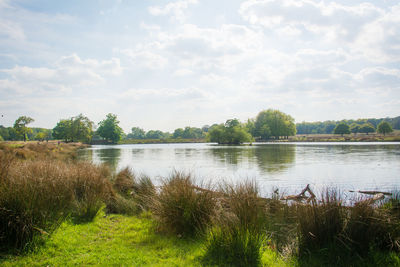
[(119, 240), (56, 211)]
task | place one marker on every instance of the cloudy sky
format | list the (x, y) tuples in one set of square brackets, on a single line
[(166, 64)]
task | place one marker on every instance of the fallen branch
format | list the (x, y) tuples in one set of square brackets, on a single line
[(302, 196), (371, 192)]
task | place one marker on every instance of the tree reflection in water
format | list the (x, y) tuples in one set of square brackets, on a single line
[(110, 156), (270, 158)]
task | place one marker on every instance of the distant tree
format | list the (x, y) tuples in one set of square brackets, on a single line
[(329, 126), (384, 127), (136, 133), (354, 128), (251, 126), (342, 128), (109, 128), (155, 134), (205, 128), (367, 128), (232, 132), (274, 123), (20, 126)]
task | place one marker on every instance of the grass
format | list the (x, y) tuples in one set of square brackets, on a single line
[(37, 195), (181, 209), (119, 240), (43, 202)]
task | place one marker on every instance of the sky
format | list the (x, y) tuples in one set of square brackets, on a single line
[(160, 64)]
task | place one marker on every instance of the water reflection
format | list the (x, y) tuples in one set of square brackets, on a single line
[(231, 155), (269, 158), (110, 156), (275, 158)]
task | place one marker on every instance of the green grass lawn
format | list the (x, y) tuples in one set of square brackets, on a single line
[(118, 240)]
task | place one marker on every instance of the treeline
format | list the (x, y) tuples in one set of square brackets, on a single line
[(268, 124), (356, 126)]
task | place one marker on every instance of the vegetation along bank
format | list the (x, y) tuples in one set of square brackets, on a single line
[(55, 210)]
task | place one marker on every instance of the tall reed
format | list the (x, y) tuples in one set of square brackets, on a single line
[(180, 208)]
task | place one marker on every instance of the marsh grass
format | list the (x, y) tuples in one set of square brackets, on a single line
[(233, 245), (36, 196), (181, 209)]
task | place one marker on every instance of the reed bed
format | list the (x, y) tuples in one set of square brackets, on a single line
[(37, 195)]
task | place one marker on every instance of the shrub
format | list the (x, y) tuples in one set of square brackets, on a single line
[(181, 209)]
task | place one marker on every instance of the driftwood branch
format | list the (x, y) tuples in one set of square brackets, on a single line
[(371, 192), (302, 196)]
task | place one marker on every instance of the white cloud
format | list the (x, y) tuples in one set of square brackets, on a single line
[(175, 9)]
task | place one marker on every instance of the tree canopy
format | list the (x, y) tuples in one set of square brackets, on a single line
[(20, 126), (342, 128), (136, 133), (232, 132), (109, 128), (367, 128), (384, 127), (78, 128), (273, 123)]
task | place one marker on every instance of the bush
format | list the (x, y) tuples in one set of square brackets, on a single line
[(181, 209), (124, 181)]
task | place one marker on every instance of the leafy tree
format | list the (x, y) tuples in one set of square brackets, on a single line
[(78, 128), (355, 128), (367, 128), (232, 132), (178, 133), (136, 133), (20, 126), (384, 127), (342, 128), (156, 134), (63, 130), (109, 128), (274, 123)]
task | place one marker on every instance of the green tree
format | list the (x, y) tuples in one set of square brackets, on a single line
[(367, 128), (355, 128), (78, 128), (232, 132), (274, 123), (136, 133), (342, 128), (20, 126), (63, 130), (178, 133), (109, 128), (384, 127)]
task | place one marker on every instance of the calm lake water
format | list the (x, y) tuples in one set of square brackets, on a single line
[(288, 166)]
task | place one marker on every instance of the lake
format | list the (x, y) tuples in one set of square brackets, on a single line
[(288, 166)]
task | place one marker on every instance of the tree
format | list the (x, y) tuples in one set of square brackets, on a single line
[(109, 128), (78, 128), (20, 126), (136, 133), (274, 123), (384, 127), (232, 132), (355, 128), (342, 128), (367, 128)]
